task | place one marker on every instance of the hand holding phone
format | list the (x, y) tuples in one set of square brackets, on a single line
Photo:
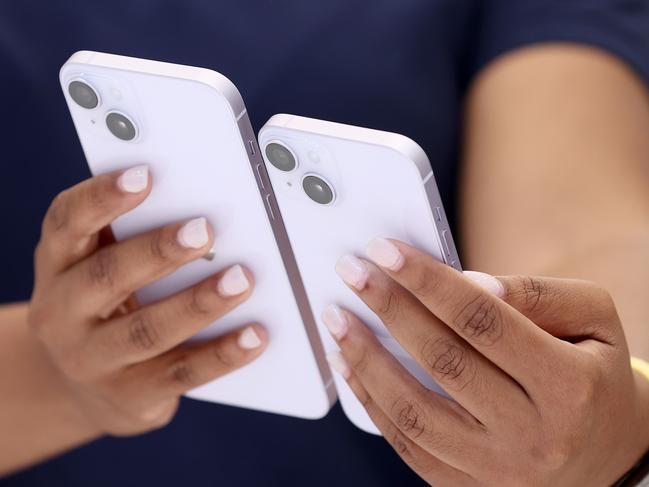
[(123, 363), (338, 187), (189, 126)]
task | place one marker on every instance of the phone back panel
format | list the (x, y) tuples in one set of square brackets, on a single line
[(384, 187), (196, 137)]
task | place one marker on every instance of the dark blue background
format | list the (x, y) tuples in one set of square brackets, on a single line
[(399, 65)]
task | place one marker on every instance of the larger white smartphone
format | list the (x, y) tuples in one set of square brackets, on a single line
[(191, 127), (339, 186)]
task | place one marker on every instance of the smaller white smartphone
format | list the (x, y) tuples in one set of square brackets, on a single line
[(337, 187), (190, 126)]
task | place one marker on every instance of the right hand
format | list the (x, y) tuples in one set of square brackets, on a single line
[(126, 365)]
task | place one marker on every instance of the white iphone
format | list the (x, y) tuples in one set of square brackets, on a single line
[(190, 126), (337, 187)]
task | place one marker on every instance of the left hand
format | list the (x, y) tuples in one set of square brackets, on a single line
[(538, 368)]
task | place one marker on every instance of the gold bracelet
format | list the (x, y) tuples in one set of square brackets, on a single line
[(640, 366)]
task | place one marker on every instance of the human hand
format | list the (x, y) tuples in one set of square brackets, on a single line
[(125, 365), (538, 367)]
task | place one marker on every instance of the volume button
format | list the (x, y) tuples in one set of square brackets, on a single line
[(260, 176), (445, 242), (269, 205)]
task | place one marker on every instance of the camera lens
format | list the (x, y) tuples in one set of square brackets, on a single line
[(120, 126), (318, 190), (280, 157), (83, 94)]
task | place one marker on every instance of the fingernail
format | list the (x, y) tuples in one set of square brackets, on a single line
[(193, 234), (335, 320), (486, 282), (233, 282), (385, 254), (339, 364), (353, 271), (134, 180), (248, 339)]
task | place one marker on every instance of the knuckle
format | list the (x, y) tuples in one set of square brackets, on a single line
[(403, 447), (479, 320), (223, 357), (159, 416), (94, 195), (390, 306), (449, 361), (408, 417), (183, 373), (102, 269), (161, 247), (142, 333), (195, 303), (533, 290), (423, 283), (56, 217), (361, 361)]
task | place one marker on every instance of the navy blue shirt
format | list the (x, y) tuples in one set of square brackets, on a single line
[(397, 65)]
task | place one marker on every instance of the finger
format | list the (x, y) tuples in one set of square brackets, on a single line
[(428, 467), (112, 273), (438, 425), (159, 327), (189, 366), (472, 380), (77, 214), (569, 309), (488, 324)]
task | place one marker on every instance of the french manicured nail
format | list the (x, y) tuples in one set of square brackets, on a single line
[(335, 320), (487, 282), (353, 271), (194, 234), (339, 364), (385, 253), (134, 180), (233, 282), (248, 339)]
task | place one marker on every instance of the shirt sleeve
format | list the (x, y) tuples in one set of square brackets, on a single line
[(620, 27)]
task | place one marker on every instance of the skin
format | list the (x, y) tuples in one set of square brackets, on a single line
[(545, 394), (552, 400), (83, 359)]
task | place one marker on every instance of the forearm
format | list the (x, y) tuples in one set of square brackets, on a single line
[(556, 178), (38, 417)]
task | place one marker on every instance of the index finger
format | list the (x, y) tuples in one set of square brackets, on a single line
[(73, 220), (487, 323)]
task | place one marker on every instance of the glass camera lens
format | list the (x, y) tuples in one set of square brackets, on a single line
[(280, 157), (318, 190), (83, 94), (120, 126)]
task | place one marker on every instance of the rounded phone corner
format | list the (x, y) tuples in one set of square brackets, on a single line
[(275, 121)]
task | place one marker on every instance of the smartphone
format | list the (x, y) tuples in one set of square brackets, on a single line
[(190, 126), (337, 187)]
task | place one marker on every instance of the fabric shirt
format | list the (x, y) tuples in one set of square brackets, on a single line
[(396, 65)]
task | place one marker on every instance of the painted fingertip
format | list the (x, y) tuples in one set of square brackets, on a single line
[(249, 339), (339, 364), (194, 234), (487, 282), (385, 254), (134, 180), (233, 282), (335, 320), (353, 271)]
